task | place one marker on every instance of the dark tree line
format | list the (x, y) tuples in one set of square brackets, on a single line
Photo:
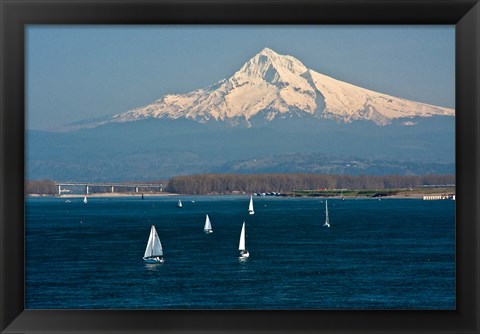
[(41, 187), (284, 183), (250, 183)]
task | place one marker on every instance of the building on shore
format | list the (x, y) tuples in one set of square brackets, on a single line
[(438, 197)]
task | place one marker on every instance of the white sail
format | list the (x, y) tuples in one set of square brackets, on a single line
[(208, 225), (85, 200), (148, 250), (241, 244), (250, 206), (327, 221), (154, 246), (179, 203)]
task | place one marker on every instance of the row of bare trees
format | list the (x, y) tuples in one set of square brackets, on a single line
[(41, 187), (227, 183)]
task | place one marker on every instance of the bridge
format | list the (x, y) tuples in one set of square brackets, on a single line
[(62, 186)]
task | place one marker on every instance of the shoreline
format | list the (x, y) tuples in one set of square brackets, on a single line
[(164, 194), (105, 195)]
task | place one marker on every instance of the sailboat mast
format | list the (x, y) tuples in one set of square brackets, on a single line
[(152, 233)]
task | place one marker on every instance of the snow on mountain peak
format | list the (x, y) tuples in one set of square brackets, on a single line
[(271, 66), (267, 51), (273, 85)]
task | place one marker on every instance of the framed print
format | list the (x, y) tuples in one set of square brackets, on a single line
[(240, 166)]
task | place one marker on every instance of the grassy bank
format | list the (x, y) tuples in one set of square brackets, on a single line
[(402, 192)]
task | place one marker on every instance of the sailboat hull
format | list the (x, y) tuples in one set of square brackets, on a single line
[(154, 260), (208, 231), (244, 255), (251, 213)]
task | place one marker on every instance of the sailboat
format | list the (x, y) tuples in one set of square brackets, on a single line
[(241, 245), (208, 226), (85, 200), (154, 251), (179, 204), (250, 206), (327, 221)]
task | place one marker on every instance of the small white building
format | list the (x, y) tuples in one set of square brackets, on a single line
[(438, 197)]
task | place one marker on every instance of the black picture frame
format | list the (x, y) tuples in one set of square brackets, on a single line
[(15, 14)]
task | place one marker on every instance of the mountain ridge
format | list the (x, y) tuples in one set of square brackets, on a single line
[(161, 148)]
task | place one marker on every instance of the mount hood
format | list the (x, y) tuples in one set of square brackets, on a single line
[(271, 86)]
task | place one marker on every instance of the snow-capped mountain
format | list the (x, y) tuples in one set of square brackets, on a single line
[(272, 86)]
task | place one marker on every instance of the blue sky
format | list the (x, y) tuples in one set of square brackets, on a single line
[(79, 72)]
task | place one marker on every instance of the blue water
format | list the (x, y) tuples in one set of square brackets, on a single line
[(388, 254)]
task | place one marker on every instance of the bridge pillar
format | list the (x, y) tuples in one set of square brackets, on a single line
[(136, 189), (86, 189), (113, 189), (59, 189)]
